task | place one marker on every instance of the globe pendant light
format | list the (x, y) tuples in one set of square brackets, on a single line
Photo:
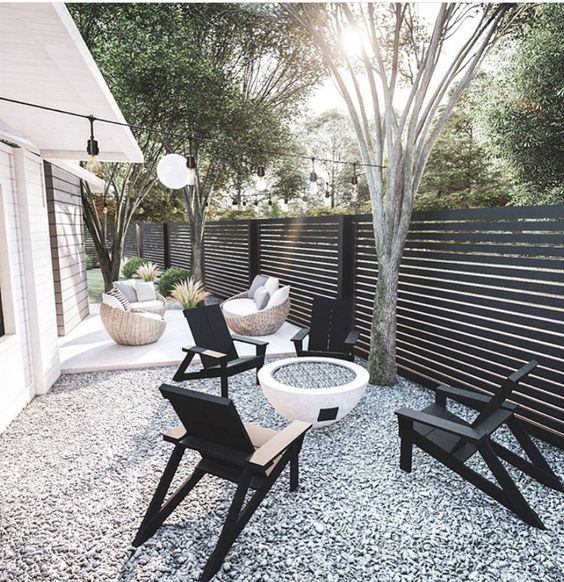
[(172, 171)]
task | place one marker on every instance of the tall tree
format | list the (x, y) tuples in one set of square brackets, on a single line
[(389, 48), (525, 112), (229, 75)]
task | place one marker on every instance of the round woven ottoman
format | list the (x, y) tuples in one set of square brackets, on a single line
[(314, 389)]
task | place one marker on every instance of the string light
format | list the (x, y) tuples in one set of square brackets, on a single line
[(313, 187), (261, 180), (92, 149), (354, 182), (191, 165), (105, 208), (327, 192)]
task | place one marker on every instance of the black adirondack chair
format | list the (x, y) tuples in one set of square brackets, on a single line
[(330, 334), (216, 349), (452, 441), (249, 455)]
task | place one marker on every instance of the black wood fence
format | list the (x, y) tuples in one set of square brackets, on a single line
[(481, 291)]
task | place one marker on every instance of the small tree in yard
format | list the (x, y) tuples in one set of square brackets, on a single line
[(395, 54)]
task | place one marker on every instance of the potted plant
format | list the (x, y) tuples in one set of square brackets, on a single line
[(189, 293)]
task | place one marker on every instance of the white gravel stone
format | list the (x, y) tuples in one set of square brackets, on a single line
[(79, 465)]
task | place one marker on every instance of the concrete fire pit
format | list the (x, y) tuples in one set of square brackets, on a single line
[(313, 389)]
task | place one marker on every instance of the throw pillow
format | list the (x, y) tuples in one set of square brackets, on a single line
[(261, 298), (258, 281), (145, 291), (128, 289), (112, 301), (120, 297), (279, 296), (271, 285)]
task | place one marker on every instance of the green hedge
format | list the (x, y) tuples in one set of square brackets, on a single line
[(170, 278), (130, 266)]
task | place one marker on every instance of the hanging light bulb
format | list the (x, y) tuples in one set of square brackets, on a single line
[(234, 202), (261, 180), (105, 208), (269, 201), (285, 201), (354, 183), (244, 202), (191, 165), (141, 210), (174, 210), (93, 165), (256, 201), (327, 192), (313, 187)]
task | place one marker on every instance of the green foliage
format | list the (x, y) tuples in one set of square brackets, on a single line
[(526, 112), (170, 278), (89, 263), (130, 267)]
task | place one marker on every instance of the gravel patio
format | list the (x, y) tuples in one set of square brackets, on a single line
[(80, 464)]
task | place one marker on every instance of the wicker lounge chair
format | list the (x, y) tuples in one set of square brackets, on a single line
[(133, 327)]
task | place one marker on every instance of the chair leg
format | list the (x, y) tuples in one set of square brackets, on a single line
[(179, 375), (295, 465), (225, 386), (406, 445), (157, 512), (513, 498)]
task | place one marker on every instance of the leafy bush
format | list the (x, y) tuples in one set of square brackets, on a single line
[(170, 278), (130, 267), (89, 263)]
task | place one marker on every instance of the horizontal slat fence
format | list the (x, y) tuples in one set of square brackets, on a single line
[(226, 261), (130, 243), (302, 253), (481, 291)]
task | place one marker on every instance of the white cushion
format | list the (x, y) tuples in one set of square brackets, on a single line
[(128, 289), (145, 290), (261, 298), (112, 301), (279, 296), (149, 315), (258, 281), (241, 306), (155, 305), (271, 285)]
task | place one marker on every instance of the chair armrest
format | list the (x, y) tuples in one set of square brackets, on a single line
[(264, 455), (248, 340), (301, 334), (205, 352), (465, 432), (352, 337), (471, 398)]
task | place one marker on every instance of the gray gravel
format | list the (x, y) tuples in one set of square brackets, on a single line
[(78, 467)]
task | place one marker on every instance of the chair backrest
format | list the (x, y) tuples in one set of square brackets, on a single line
[(505, 389), (212, 419), (210, 331), (331, 322)]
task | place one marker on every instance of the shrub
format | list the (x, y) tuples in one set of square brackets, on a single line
[(170, 278), (89, 263), (130, 266)]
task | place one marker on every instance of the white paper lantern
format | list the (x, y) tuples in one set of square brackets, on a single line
[(172, 171)]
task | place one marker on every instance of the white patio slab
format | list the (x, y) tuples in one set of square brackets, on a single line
[(88, 348)]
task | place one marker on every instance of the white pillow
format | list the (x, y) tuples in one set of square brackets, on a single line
[(271, 285), (145, 290), (279, 296), (128, 289), (112, 301), (261, 298)]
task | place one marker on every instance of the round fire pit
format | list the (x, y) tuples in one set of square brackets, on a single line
[(316, 390)]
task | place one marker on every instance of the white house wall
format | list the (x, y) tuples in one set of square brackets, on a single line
[(29, 357)]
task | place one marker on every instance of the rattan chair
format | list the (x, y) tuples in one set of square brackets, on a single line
[(264, 322), (131, 328)]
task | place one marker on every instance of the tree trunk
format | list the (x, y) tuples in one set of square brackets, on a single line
[(197, 244), (382, 358)]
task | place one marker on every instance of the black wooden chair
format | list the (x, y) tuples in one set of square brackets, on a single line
[(330, 332), (214, 345), (249, 455), (452, 441)]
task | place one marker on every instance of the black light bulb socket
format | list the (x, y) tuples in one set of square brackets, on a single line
[(270, 202), (92, 147), (260, 172), (354, 180), (191, 162), (313, 177), (234, 202)]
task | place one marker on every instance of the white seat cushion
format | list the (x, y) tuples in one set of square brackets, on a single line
[(148, 305), (241, 306)]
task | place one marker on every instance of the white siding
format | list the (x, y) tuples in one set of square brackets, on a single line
[(29, 358)]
